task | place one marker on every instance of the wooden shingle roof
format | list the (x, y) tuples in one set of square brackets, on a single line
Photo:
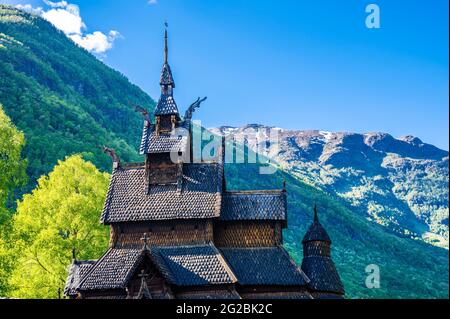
[(316, 232), (129, 197), (254, 205), (166, 76), (77, 272), (264, 266), (323, 274), (112, 271), (153, 143), (179, 265), (193, 265), (166, 105)]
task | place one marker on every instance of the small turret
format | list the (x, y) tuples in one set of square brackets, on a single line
[(316, 237), (318, 264)]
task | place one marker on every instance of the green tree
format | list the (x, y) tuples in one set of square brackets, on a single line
[(12, 175), (61, 213), (12, 166)]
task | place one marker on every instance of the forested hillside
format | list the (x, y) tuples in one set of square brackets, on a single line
[(66, 102), (64, 99)]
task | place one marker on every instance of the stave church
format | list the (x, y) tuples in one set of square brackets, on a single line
[(176, 232)]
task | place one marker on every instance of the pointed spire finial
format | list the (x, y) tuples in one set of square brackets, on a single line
[(316, 216), (166, 49)]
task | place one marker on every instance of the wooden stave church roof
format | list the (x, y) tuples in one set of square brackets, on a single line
[(256, 266), (164, 142), (180, 265), (130, 199), (254, 205), (323, 274), (166, 105), (190, 266), (77, 272)]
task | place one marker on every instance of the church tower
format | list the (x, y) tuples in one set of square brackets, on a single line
[(318, 264), (165, 143)]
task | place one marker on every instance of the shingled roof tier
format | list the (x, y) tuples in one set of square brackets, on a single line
[(112, 271), (193, 265), (254, 205), (316, 232), (164, 142), (77, 271), (264, 266), (166, 76), (322, 274), (180, 265), (129, 197), (166, 105)]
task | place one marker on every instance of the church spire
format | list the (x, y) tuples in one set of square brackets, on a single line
[(167, 83), (166, 49), (166, 104), (316, 232)]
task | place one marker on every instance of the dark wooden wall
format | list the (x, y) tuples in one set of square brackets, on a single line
[(162, 170), (162, 233), (248, 234)]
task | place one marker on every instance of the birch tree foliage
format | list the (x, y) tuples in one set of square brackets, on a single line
[(62, 213), (12, 166), (12, 176)]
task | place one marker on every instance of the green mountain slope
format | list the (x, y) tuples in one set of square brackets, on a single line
[(66, 101), (63, 98)]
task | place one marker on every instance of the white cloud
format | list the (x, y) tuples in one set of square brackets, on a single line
[(29, 8), (96, 42), (60, 4), (66, 17), (64, 20), (152, 2)]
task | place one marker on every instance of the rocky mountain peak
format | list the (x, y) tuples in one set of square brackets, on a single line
[(401, 183)]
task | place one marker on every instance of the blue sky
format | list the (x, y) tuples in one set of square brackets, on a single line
[(290, 63)]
